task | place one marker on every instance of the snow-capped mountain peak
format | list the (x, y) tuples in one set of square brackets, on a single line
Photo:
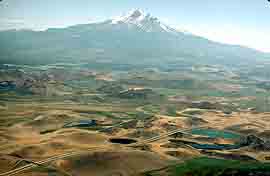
[(144, 21), (131, 17)]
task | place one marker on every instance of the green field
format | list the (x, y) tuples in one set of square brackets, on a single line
[(215, 167)]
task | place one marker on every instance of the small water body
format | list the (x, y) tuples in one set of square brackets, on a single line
[(81, 123), (7, 86), (216, 146), (215, 133), (122, 141)]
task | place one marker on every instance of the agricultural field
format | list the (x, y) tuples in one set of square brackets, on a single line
[(164, 120)]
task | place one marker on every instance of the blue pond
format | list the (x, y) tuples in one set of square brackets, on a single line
[(212, 133), (215, 133), (215, 146), (7, 85), (81, 123)]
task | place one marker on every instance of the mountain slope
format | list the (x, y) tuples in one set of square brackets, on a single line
[(132, 38)]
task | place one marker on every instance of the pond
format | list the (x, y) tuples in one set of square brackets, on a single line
[(122, 141), (215, 133), (215, 146), (81, 124), (7, 85)]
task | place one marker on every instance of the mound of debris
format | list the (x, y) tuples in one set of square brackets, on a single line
[(265, 134), (230, 156), (20, 81), (203, 105), (255, 143), (137, 93), (130, 125), (142, 134), (226, 109), (195, 121), (111, 88), (143, 147)]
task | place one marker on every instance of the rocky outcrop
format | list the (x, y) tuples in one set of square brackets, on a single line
[(142, 134), (135, 93), (130, 125), (255, 143), (229, 156), (20, 81), (203, 105), (111, 88)]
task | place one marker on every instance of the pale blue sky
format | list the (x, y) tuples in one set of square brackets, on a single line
[(245, 22)]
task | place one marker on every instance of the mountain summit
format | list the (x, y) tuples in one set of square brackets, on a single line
[(134, 16), (144, 21)]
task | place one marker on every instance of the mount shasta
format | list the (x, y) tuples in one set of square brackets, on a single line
[(134, 38)]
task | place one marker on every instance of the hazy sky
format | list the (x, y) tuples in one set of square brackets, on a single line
[(245, 22)]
